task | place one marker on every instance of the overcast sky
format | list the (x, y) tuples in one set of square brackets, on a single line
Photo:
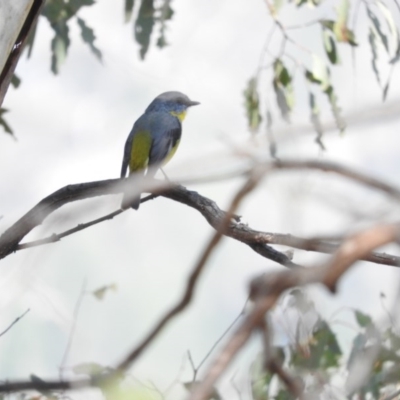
[(72, 128)]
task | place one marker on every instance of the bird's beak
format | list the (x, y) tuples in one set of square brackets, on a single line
[(193, 103)]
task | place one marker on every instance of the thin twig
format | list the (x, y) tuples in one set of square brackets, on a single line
[(216, 343), (57, 237), (14, 322), (73, 327)]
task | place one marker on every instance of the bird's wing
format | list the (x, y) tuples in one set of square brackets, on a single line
[(164, 144), (127, 154)]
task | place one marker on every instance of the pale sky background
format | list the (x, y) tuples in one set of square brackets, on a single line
[(72, 128)]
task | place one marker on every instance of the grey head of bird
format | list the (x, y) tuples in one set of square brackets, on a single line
[(172, 102)]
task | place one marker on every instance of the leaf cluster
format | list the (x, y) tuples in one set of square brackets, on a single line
[(383, 33), (318, 361)]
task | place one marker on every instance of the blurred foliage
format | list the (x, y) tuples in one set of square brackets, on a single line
[(148, 15), (101, 292), (60, 13), (383, 35), (119, 387), (371, 370), (252, 104), (3, 123)]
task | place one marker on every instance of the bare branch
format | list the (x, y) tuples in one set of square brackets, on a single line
[(258, 241), (57, 237)]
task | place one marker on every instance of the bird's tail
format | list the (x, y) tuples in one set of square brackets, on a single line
[(131, 199), (127, 202)]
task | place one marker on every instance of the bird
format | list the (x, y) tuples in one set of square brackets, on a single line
[(154, 139)]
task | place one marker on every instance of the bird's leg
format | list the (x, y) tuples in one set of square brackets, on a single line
[(165, 175)]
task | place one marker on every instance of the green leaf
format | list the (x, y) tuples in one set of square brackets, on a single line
[(129, 4), (261, 379), (89, 37), (252, 104), (284, 394), (372, 39), (362, 319), (54, 10), (59, 45), (282, 83), (340, 29), (15, 81), (320, 73), (74, 5), (327, 23), (377, 30), (165, 14), (324, 350), (315, 120), (3, 122), (336, 111), (144, 26), (394, 42), (330, 46)]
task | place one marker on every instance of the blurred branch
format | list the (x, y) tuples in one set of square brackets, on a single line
[(187, 296), (259, 241), (294, 385), (266, 290)]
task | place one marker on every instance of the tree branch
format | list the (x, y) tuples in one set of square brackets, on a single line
[(196, 272), (12, 60), (257, 240)]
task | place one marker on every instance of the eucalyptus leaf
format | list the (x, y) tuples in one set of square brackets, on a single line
[(144, 26), (3, 123), (89, 37), (372, 39), (252, 104), (377, 29), (129, 4), (330, 46), (394, 33), (282, 83)]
